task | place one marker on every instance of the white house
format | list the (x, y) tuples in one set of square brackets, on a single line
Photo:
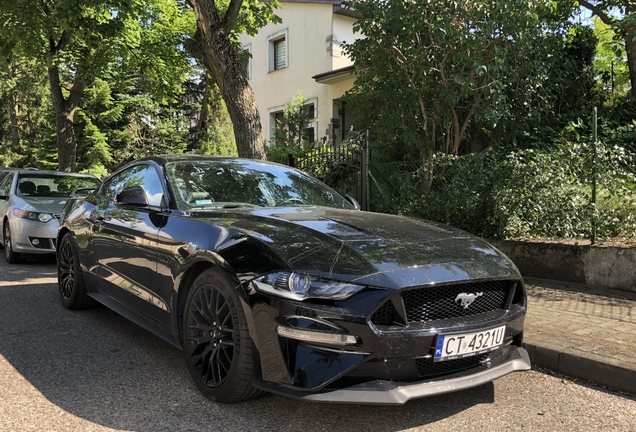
[(304, 53)]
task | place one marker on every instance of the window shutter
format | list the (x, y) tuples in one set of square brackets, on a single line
[(281, 54)]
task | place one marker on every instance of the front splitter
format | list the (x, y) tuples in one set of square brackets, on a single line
[(397, 393)]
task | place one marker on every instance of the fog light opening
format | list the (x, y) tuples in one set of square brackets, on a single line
[(35, 242), (311, 336)]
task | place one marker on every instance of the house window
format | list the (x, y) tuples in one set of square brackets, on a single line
[(277, 121), (247, 60), (309, 134), (280, 54), (310, 110), (278, 50)]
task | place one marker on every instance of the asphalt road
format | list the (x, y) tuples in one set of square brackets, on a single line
[(93, 371)]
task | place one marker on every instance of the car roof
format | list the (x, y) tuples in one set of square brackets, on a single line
[(37, 173), (165, 159)]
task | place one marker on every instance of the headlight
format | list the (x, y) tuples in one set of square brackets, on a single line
[(300, 287), (34, 216)]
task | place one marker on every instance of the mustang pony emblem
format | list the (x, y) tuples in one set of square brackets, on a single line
[(467, 299)]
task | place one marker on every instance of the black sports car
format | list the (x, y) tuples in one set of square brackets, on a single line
[(271, 281)]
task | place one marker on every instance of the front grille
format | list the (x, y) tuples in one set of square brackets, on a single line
[(426, 367), (434, 303)]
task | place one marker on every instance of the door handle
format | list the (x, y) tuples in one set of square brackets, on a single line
[(99, 220)]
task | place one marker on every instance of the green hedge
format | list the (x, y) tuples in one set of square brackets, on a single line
[(527, 193)]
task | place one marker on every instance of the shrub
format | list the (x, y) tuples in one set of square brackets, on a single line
[(528, 193)]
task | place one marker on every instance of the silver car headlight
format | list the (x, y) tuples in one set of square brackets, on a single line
[(301, 287), (34, 216)]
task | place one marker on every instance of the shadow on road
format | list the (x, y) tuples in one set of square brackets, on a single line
[(100, 367)]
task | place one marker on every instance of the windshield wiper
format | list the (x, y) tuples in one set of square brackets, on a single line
[(230, 206), (223, 206)]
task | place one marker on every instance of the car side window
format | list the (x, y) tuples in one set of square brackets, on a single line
[(6, 184), (138, 175)]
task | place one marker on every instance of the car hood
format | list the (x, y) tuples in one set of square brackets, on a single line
[(372, 248), (53, 205)]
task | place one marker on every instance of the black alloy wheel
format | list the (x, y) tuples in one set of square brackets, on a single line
[(211, 336), (217, 343), (70, 278), (11, 256)]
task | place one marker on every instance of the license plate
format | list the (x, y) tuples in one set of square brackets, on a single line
[(453, 346)]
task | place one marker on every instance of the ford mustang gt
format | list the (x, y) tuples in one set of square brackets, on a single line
[(271, 281)]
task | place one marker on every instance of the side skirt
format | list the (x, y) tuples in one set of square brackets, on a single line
[(141, 320)]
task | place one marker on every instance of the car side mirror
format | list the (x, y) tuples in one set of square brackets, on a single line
[(134, 196), (353, 202), (3, 196)]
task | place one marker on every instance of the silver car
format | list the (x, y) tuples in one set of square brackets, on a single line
[(31, 202)]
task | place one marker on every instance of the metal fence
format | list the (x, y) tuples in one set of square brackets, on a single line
[(343, 168)]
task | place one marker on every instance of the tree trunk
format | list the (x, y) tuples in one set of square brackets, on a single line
[(66, 144), (203, 113), (64, 113), (630, 49), (14, 114), (15, 124), (220, 58)]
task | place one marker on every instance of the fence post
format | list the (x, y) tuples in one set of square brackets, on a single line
[(594, 139), (363, 177), (367, 149), (290, 160)]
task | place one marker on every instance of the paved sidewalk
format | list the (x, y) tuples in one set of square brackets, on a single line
[(582, 331)]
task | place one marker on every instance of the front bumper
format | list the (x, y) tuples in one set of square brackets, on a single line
[(24, 232), (386, 363), (380, 392)]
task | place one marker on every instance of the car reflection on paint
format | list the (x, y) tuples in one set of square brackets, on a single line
[(31, 203), (271, 281)]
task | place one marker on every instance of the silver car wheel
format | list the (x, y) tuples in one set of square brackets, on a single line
[(11, 256)]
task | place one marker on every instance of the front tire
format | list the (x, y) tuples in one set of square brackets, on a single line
[(11, 256), (70, 279), (217, 343)]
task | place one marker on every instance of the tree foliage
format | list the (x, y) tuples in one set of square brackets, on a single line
[(428, 70), (541, 99), (620, 15), (24, 112), (610, 62), (81, 41)]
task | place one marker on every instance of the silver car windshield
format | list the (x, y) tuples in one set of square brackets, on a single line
[(232, 183), (52, 185)]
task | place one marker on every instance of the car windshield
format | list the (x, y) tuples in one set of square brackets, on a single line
[(232, 183), (52, 185)]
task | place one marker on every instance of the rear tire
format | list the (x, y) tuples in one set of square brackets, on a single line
[(217, 343), (11, 256), (70, 278)]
